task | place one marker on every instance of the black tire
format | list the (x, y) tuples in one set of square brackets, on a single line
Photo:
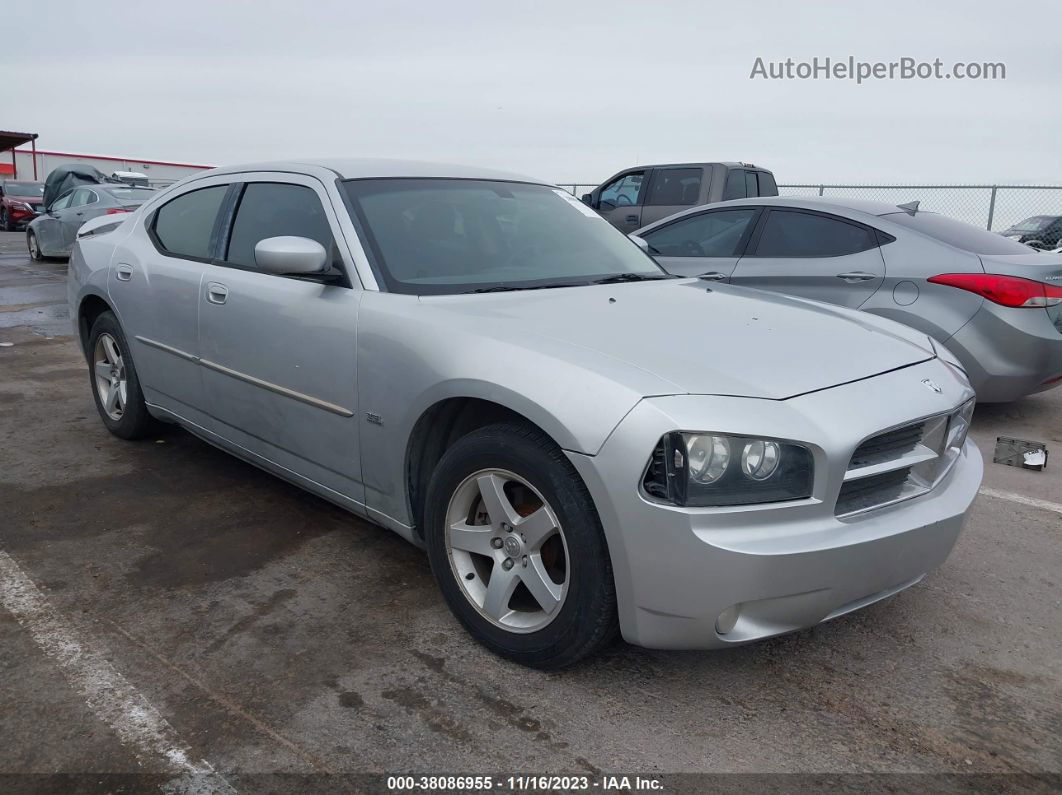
[(587, 618), (5, 221), (135, 422), (34, 246)]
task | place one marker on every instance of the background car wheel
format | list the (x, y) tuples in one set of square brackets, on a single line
[(115, 386), (34, 248), (517, 548), (5, 221)]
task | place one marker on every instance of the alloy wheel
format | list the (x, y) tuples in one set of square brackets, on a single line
[(34, 249), (507, 550), (108, 368)]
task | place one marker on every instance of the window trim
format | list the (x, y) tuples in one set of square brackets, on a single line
[(754, 243), (700, 190), (746, 235)]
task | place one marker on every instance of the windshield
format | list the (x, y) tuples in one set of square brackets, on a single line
[(24, 188), (443, 236), (1034, 224), (956, 233)]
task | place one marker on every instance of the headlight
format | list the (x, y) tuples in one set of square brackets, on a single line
[(22, 206), (959, 424), (711, 469)]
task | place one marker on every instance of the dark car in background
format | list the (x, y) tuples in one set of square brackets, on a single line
[(52, 233), (20, 201), (639, 196), (1038, 231)]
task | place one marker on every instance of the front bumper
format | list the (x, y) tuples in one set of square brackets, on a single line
[(783, 566)]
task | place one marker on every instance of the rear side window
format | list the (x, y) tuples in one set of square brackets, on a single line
[(797, 234), (272, 209), (768, 187), (83, 196), (183, 226), (735, 185), (956, 233), (714, 234), (674, 186)]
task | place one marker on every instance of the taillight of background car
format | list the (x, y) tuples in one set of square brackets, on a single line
[(1004, 290)]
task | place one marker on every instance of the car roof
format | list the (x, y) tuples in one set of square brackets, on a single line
[(364, 168)]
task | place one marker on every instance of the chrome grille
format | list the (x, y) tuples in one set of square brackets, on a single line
[(901, 463)]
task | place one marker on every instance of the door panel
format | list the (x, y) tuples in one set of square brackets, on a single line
[(813, 255), (279, 371), (154, 283), (279, 354)]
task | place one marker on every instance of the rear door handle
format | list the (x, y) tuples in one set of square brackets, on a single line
[(632, 219), (123, 272), (853, 277), (713, 276), (217, 293)]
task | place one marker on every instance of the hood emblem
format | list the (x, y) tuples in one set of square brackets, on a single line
[(931, 384)]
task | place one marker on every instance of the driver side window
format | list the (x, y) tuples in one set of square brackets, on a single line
[(624, 191), (714, 234)]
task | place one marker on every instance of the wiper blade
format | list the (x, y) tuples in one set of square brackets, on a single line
[(632, 277), (507, 288)]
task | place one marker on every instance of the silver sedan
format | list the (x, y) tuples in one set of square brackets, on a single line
[(582, 443), (52, 233), (997, 304)]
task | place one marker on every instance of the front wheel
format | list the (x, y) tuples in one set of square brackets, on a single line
[(33, 246), (517, 548), (5, 221)]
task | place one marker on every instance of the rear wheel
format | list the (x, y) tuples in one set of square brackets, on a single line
[(516, 545), (115, 386), (33, 246)]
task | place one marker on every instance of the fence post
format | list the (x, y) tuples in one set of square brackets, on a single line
[(821, 189), (992, 207)]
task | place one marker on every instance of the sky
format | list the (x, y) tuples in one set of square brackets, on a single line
[(563, 91)]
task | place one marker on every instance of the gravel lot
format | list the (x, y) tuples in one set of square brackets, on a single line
[(260, 630)]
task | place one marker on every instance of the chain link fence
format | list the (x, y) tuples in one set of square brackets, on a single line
[(993, 207)]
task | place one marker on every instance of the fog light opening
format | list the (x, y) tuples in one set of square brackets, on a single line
[(726, 620)]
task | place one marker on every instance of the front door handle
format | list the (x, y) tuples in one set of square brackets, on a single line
[(632, 219), (852, 277), (123, 272), (217, 293), (713, 276)]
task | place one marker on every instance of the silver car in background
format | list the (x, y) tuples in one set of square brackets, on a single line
[(995, 303), (481, 363), (52, 233)]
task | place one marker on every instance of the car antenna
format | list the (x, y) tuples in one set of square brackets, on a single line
[(910, 208)]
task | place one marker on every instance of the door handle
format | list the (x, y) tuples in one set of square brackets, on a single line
[(713, 276), (217, 293), (123, 272), (79, 214), (853, 277), (632, 219)]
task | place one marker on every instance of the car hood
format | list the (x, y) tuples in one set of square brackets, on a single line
[(722, 340)]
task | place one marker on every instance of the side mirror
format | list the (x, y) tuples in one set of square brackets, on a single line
[(588, 199), (640, 242), (289, 255)]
